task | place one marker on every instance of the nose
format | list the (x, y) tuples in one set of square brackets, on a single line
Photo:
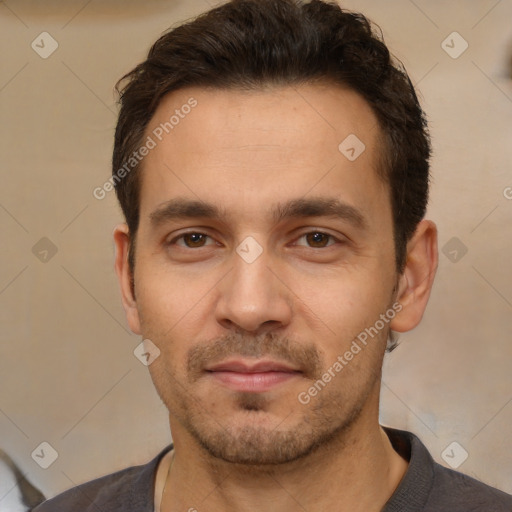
[(254, 297)]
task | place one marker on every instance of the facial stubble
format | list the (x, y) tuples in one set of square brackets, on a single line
[(249, 439)]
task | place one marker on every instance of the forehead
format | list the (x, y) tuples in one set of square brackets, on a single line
[(241, 148)]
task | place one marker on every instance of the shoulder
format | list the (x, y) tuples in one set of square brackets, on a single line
[(103, 493), (128, 489), (452, 489), (431, 487)]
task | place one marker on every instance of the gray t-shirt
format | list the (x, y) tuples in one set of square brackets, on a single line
[(426, 487)]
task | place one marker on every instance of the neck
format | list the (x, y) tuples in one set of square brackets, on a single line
[(358, 471)]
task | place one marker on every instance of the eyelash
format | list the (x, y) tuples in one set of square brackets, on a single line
[(331, 237)]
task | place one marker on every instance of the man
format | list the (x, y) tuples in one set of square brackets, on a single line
[(272, 166)]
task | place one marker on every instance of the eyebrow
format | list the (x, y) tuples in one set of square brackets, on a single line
[(319, 207), (181, 208)]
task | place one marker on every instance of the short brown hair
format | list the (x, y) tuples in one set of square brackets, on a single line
[(251, 44)]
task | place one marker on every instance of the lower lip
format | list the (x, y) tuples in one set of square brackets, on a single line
[(253, 382)]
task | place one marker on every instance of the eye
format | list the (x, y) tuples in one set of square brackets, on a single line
[(318, 239), (191, 240)]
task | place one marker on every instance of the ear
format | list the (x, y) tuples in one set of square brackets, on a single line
[(124, 275), (416, 281)]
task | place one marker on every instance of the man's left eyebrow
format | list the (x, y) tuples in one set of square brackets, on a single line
[(320, 207)]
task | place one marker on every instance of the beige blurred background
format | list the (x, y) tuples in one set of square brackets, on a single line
[(68, 375)]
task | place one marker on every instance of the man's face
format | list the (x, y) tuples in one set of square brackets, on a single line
[(251, 306)]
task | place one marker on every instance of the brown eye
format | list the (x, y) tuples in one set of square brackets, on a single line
[(317, 239), (191, 240), (194, 239)]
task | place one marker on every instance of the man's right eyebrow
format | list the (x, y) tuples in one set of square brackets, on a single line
[(179, 208)]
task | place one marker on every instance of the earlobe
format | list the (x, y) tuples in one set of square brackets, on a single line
[(417, 279), (124, 276)]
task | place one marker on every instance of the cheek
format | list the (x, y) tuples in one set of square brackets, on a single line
[(343, 314), (346, 298), (166, 316), (167, 300)]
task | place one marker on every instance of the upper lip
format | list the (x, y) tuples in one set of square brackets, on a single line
[(240, 366)]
